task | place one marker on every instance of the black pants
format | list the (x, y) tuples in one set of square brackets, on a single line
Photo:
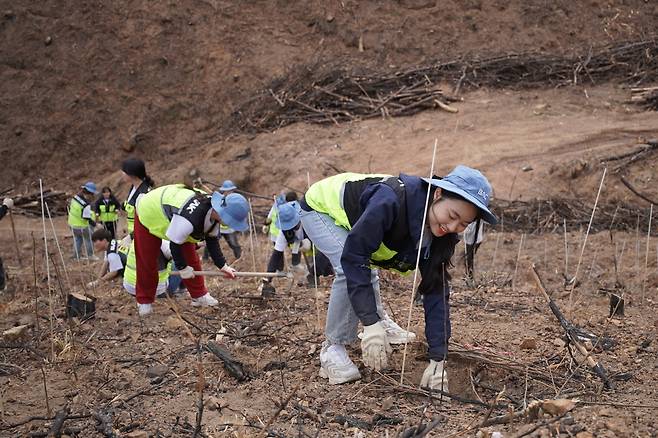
[(2, 276), (469, 260), (111, 227)]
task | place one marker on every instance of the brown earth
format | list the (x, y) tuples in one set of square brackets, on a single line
[(164, 77), (82, 82)]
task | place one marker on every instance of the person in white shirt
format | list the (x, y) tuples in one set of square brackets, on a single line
[(291, 234)]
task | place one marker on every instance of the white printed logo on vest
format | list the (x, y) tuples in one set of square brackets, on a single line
[(193, 205)]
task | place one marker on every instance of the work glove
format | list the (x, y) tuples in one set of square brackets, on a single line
[(265, 229), (8, 202), (306, 245), (228, 272), (435, 376), (375, 347), (92, 284), (187, 272), (125, 242)]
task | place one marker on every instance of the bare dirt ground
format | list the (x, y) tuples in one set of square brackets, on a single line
[(504, 336)]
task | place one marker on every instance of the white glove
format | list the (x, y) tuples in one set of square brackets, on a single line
[(375, 347), (228, 271), (125, 242), (435, 376), (306, 245), (265, 229), (92, 284), (187, 272), (8, 202)]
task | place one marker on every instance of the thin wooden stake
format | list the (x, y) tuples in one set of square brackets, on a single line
[(566, 250), (45, 390), (50, 295), (59, 249), (251, 241), (516, 265), (582, 249), (36, 291), (646, 255), (315, 268), (415, 282)]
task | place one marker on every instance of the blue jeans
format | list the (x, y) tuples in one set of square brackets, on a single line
[(342, 322), (81, 235)]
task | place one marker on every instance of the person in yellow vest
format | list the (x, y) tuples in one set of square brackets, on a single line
[(107, 210), (227, 232), (114, 260), (184, 217), (134, 172), (81, 221), (164, 269), (361, 222)]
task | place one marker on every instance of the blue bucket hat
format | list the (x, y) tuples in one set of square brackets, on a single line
[(90, 187), (233, 209), (471, 185), (289, 215), (227, 185)]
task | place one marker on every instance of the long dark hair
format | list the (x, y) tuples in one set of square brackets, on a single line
[(441, 252)]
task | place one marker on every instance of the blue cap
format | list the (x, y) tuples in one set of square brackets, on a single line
[(471, 185), (281, 199), (90, 187), (233, 209), (227, 185), (289, 215)]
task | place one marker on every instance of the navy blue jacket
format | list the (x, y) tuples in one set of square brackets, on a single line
[(381, 207)]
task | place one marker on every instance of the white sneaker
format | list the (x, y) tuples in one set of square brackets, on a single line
[(336, 365), (394, 333), (144, 309), (204, 301)]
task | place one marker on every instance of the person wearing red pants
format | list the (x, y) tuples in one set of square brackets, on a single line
[(184, 217)]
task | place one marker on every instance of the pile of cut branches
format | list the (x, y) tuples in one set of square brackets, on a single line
[(646, 97), (330, 93), (548, 215)]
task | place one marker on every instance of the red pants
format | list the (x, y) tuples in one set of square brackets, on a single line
[(147, 251)]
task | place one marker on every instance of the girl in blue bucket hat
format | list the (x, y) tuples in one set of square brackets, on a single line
[(291, 234), (364, 222)]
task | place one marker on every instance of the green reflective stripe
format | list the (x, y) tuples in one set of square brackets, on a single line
[(326, 196), (151, 208), (130, 216), (130, 271), (108, 215), (75, 219)]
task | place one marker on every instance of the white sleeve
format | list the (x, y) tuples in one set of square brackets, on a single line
[(281, 243), (114, 262), (166, 249), (271, 212), (179, 229), (86, 212)]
